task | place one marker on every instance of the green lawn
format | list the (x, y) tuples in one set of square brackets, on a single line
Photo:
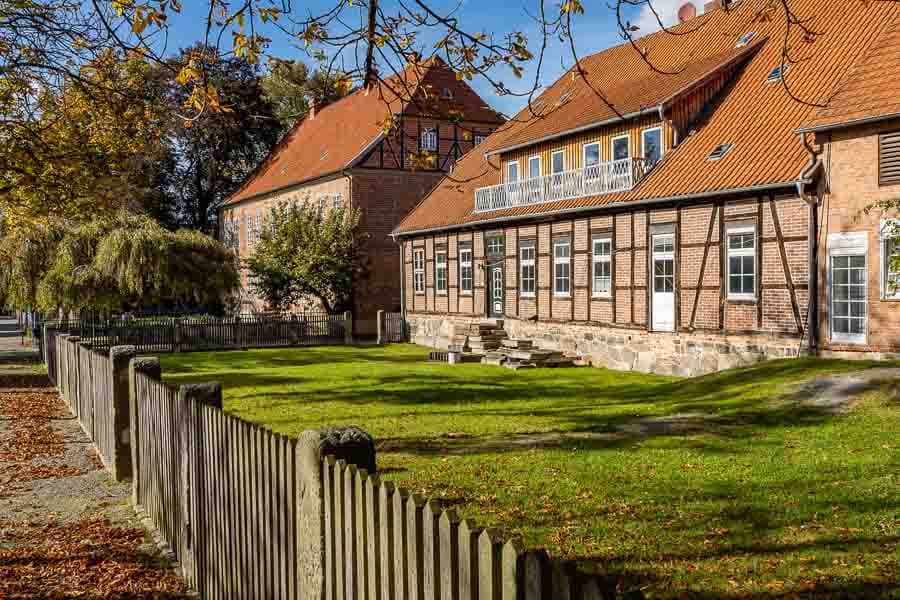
[(749, 493)]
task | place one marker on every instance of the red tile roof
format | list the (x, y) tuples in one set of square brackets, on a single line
[(341, 132), (871, 89), (759, 118)]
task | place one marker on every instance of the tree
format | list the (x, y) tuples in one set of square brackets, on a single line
[(133, 262), (289, 86), (209, 155), (305, 253)]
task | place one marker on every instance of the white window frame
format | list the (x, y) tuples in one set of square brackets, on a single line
[(597, 259), (479, 138), (509, 164), (559, 261), (528, 262), (612, 147), (553, 155), (419, 270), (644, 132), (248, 234), (257, 234), (429, 139), (466, 263), (887, 226), (584, 148), (440, 272), (531, 159), (337, 201), (729, 252), (848, 245)]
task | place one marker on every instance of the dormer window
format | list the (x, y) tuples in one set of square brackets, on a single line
[(777, 74), (447, 94), (720, 151), (745, 39)]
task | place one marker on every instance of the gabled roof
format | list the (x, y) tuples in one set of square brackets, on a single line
[(340, 133), (759, 118), (871, 90)]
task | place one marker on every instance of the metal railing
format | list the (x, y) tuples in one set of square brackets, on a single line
[(603, 178)]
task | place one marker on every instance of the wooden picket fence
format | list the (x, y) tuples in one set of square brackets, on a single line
[(234, 503), (85, 382)]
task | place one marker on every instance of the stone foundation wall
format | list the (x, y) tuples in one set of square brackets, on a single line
[(625, 350)]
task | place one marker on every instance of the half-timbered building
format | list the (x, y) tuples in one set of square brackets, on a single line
[(379, 150), (684, 205)]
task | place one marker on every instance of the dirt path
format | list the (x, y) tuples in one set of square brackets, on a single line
[(66, 529)]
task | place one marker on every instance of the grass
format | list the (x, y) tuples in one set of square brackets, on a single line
[(749, 495)]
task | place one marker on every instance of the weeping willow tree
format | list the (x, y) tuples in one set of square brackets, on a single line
[(25, 255), (133, 262)]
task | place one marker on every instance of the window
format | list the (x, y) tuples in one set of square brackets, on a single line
[(890, 259), (527, 274), (720, 151), (620, 148), (745, 39), (561, 267), (465, 269), (847, 271), (558, 162), (321, 206), (258, 231), (602, 266), (742, 263), (495, 246), (889, 158), (447, 94), (651, 142), (534, 167), (429, 140), (777, 74), (248, 231), (848, 298), (440, 271), (512, 172), (479, 138), (337, 202), (591, 155), (419, 271)]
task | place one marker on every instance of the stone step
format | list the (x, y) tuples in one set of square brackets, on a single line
[(517, 344), (493, 360), (518, 366), (534, 355), (483, 345)]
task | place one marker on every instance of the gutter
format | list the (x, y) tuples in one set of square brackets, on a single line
[(851, 123), (615, 205)]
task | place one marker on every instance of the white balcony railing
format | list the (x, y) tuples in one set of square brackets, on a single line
[(602, 178)]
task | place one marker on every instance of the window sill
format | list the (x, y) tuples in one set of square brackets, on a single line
[(562, 296), (527, 295), (849, 340), (441, 293), (742, 299), (419, 293), (461, 293), (603, 296)]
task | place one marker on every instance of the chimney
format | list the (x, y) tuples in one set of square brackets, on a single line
[(687, 12)]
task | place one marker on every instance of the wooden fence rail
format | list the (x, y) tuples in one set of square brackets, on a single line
[(252, 514)]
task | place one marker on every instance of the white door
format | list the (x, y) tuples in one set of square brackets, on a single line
[(662, 272)]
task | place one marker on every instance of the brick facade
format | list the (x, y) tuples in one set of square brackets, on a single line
[(703, 309), (851, 185)]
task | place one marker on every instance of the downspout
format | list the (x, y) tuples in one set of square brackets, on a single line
[(812, 202), (402, 286)]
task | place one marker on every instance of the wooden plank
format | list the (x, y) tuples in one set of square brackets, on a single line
[(373, 554), (401, 559), (329, 525), (414, 566), (488, 566), (350, 575), (361, 542), (340, 581), (448, 531), (468, 561), (431, 550), (386, 530)]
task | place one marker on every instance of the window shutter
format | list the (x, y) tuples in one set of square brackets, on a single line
[(889, 158)]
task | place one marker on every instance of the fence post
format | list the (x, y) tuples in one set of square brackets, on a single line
[(176, 335), (119, 361), (149, 366), (348, 327), (381, 324), (193, 521)]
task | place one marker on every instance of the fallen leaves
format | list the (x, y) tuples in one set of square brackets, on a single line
[(86, 558)]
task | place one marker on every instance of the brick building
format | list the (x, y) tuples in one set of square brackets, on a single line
[(694, 218), (379, 150)]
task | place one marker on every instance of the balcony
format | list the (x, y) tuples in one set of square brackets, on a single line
[(603, 178)]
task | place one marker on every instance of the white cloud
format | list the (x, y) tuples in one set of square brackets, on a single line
[(667, 10)]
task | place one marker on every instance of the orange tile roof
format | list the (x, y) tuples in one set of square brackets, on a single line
[(759, 118), (341, 132), (871, 89)]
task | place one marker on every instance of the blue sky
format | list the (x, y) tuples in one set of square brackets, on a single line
[(594, 31)]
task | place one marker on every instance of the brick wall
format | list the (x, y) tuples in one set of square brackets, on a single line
[(851, 161), (780, 302)]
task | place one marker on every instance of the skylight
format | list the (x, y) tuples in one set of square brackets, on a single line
[(777, 74), (720, 151), (745, 39)]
